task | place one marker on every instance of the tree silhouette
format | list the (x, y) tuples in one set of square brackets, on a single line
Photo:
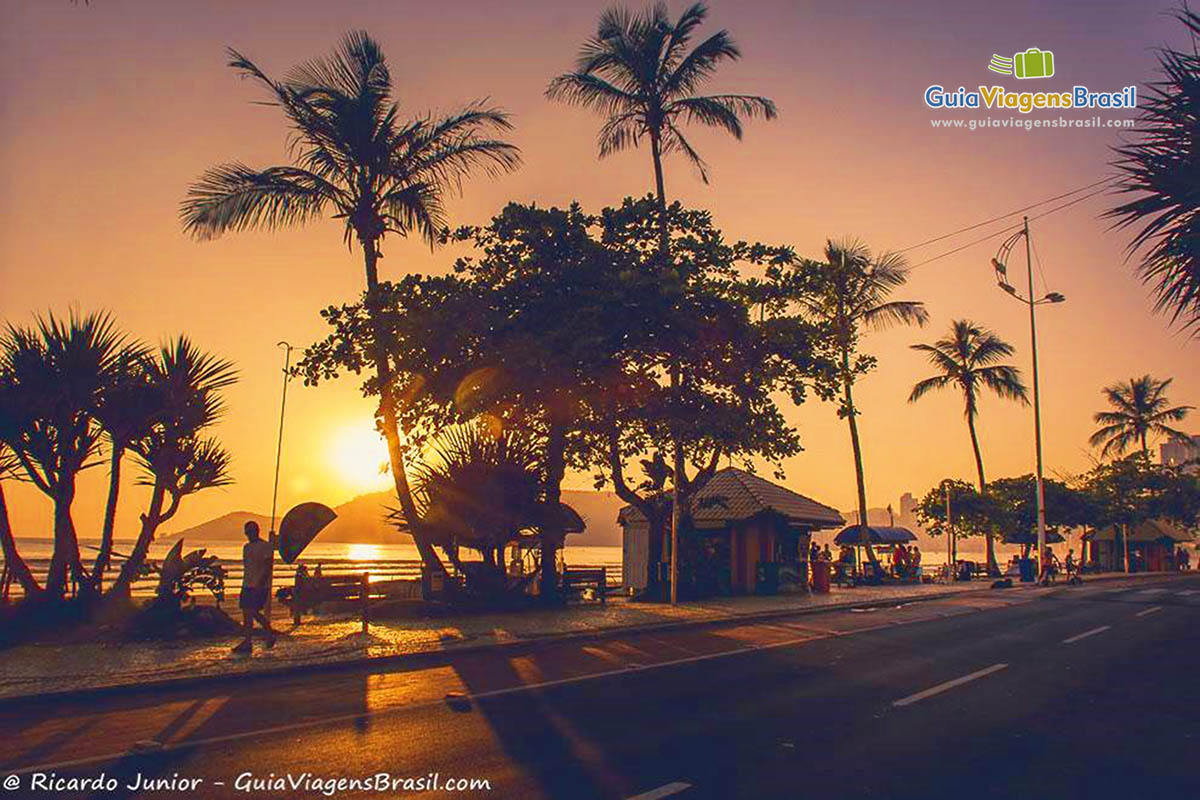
[(354, 157), (177, 456), (638, 72), (1139, 408), (1163, 169), (55, 371), (852, 295), (966, 358)]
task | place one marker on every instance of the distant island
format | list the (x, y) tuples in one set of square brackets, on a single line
[(363, 520)]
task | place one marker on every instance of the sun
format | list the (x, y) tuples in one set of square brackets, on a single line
[(359, 457)]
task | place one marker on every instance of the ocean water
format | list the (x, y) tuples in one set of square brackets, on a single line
[(382, 561)]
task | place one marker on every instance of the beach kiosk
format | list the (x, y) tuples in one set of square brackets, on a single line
[(749, 536), (1152, 546)]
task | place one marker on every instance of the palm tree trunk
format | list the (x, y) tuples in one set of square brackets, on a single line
[(677, 459), (16, 565), (552, 532), (989, 537), (1145, 447), (858, 461), (664, 240), (391, 428), (65, 561), (110, 518), (133, 565)]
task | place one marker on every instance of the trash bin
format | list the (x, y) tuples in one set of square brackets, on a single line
[(821, 577), (767, 578), (1028, 570)]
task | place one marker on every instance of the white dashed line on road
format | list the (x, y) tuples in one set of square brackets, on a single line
[(941, 687), (1188, 592), (666, 790), (1086, 634), (1148, 611)]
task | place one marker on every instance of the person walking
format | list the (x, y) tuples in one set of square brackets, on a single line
[(256, 581)]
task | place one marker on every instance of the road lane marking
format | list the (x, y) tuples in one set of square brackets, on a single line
[(1148, 611), (1188, 592), (941, 687), (666, 790), (1147, 592), (1086, 634)]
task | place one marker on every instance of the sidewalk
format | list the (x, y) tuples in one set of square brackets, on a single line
[(35, 669)]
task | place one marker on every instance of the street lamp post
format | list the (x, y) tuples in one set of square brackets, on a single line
[(271, 535), (999, 264)]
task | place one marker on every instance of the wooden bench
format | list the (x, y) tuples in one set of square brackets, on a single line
[(575, 580), (308, 592)]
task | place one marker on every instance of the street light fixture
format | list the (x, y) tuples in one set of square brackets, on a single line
[(999, 264)]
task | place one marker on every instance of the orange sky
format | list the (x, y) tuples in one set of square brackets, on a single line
[(107, 111)]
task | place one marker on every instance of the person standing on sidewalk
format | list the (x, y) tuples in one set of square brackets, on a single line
[(256, 575)]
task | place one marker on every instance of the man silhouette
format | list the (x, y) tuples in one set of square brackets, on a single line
[(256, 574)]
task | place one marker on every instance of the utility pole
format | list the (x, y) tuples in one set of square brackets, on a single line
[(950, 565), (998, 263), (1037, 410)]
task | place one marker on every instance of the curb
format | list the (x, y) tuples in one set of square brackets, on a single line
[(439, 657)]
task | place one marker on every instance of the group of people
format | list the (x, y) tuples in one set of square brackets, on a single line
[(906, 562)]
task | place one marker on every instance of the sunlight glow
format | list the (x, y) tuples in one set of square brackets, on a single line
[(359, 456)]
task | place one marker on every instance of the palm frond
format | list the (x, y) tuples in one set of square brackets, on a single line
[(927, 385), (896, 312), (235, 197)]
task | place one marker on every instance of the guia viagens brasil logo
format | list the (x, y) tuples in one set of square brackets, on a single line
[(1027, 65)]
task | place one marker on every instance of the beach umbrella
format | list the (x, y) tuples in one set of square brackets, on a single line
[(300, 526)]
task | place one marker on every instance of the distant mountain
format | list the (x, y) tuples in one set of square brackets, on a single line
[(363, 520)]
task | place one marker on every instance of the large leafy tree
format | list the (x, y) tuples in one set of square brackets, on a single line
[(1127, 491), (55, 371), (851, 294), (1162, 167), (732, 359), (640, 72), (1139, 409), (523, 336), (355, 157), (966, 360)]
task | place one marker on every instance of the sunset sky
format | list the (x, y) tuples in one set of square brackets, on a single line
[(109, 110)]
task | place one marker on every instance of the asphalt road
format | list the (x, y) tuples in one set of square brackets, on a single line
[(1080, 692)]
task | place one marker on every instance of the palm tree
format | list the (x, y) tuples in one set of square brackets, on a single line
[(481, 489), (1140, 408), (966, 358), (639, 73), (55, 370), (354, 157), (1163, 168), (128, 407), (176, 456), (851, 296)]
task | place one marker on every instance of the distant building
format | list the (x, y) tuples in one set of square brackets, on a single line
[(1173, 452)]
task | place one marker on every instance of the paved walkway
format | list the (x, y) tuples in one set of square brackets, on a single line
[(34, 669)]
